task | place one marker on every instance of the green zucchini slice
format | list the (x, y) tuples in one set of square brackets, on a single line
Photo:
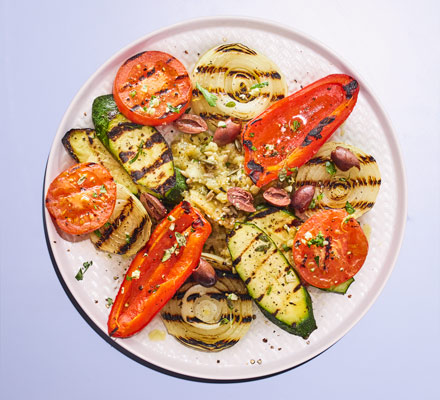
[(105, 116), (270, 280), (145, 155), (84, 146), (279, 225)]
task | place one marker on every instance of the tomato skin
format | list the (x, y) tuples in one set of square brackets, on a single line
[(292, 130), (342, 249), (147, 83), (81, 199)]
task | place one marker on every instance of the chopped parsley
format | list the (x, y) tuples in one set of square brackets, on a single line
[(293, 170), (253, 148), (139, 152), (230, 104), (251, 134), (95, 195), (102, 189), (127, 238), (295, 125), (317, 241), (209, 97), (109, 301), (263, 247), (80, 275), (259, 85), (168, 253), (181, 240), (81, 179), (133, 93), (349, 208), (317, 260), (269, 289), (282, 175), (174, 109), (98, 233), (224, 321), (330, 167)]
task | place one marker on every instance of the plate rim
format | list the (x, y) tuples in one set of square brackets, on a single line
[(327, 52)]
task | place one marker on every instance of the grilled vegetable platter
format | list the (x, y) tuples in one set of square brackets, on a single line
[(219, 196)]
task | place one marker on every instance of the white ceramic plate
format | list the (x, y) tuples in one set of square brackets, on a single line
[(266, 349)]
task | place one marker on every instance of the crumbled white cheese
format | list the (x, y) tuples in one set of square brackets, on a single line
[(308, 235), (154, 102), (135, 274), (221, 124), (172, 226), (232, 296)]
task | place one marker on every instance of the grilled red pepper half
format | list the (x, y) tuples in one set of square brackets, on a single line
[(159, 269), (293, 129)]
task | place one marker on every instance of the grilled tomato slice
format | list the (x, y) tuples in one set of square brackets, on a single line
[(82, 198), (330, 248), (152, 88)]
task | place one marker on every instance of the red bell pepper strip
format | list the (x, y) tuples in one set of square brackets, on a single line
[(292, 130), (158, 270)]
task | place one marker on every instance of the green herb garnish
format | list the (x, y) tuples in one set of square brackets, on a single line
[(263, 247), (209, 97), (139, 151), (102, 189), (98, 233), (109, 301), (224, 321), (269, 289), (259, 85), (81, 179), (282, 175), (174, 109), (127, 238), (251, 134), (318, 241), (295, 125), (317, 260), (230, 104), (133, 93), (80, 275), (181, 240), (349, 208), (168, 253), (253, 148), (330, 167)]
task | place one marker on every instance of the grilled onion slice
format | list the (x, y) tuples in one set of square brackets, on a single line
[(244, 81), (128, 228), (210, 319), (357, 187)]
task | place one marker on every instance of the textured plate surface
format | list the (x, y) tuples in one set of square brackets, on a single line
[(302, 61)]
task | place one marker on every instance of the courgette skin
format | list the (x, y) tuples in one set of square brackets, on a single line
[(341, 288), (145, 155), (84, 146), (270, 280), (174, 195), (106, 115)]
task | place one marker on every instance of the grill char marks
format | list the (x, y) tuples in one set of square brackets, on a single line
[(350, 88), (165, 157), (237, 47), (315, 133)]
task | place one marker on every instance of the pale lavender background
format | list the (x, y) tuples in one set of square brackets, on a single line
[(49, 49)]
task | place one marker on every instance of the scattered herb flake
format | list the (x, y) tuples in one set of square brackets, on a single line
[(259, 85), (349, 208), (224, 321), (98, 233), (168, 253), (133, 93), (230, 104), (253, 148), (81, 179), (209, 97), (317, 260), (181, 240), (109, 301), (251, 134), (80, 275), (263, 247), (174, 109), (295, 125), (282, 175), (102, 189), (138, 153), (127, 238), (330, 167), (317, 241), (269, 289)]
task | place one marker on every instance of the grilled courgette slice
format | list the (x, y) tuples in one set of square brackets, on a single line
[(210, 319), (105, 116), (279, 225), (84, 146), (145, 155), (128, 228), (270, 280)]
